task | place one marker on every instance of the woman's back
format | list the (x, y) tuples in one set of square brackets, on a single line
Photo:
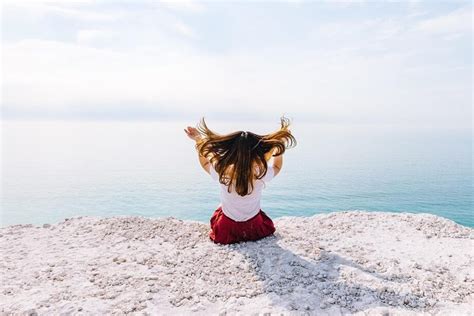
[(241, 208)]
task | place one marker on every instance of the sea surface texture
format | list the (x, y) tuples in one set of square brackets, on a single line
[(56, 170)]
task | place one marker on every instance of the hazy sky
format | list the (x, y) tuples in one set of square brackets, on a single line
[(384, 62)]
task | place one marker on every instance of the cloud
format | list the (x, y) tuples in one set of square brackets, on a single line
[(45, 2), (88, 36), (183, 5), (346, 3), (69, 78), (66, 9), (184, 29), (151, 62), (455, 22)]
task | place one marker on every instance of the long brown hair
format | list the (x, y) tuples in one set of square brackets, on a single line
[(234, 155)]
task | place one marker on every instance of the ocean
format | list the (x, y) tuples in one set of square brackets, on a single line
[(55, 170)]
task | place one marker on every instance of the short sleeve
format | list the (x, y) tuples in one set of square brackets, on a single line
[(269, 175), (213, 172)]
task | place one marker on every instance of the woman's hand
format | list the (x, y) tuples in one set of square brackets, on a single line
[(193, 133)]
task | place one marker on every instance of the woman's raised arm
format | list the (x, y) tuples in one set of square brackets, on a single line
[(194, 134), (277, 164)]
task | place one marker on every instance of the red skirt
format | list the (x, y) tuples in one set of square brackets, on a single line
[(225, 230)]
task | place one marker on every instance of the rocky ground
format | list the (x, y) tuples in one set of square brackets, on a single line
[(364, 263)]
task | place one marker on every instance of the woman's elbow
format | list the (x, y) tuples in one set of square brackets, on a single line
[(276, 170)]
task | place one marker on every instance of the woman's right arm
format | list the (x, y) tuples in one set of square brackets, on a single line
[(277, 164)]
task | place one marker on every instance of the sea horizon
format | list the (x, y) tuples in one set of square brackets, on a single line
[(53, 170)]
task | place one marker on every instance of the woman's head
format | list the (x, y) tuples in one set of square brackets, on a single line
[(236, 155)]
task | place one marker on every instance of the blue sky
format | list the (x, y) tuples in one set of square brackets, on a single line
[(353, 62)]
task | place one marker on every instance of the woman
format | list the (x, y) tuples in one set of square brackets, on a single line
[(239, 161)]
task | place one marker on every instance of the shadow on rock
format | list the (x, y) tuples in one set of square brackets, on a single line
[(316, 282)]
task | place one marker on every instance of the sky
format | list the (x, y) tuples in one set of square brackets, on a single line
[(353, 62)]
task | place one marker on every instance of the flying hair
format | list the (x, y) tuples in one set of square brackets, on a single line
[(242, 157)]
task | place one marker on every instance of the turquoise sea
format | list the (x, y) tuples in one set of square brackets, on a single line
[(55, 170)]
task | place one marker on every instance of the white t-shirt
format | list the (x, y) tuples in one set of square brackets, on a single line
[(237, 207)]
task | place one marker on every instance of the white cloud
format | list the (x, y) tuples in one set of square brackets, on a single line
[(346, 3), (62, 2), (63, 78), (454, 22), (184, 29), (151, 60), (82, 14), (88, 36), (183, 5), (66, 9)]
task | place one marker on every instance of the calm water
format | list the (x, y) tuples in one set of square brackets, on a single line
[(54, 170)]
